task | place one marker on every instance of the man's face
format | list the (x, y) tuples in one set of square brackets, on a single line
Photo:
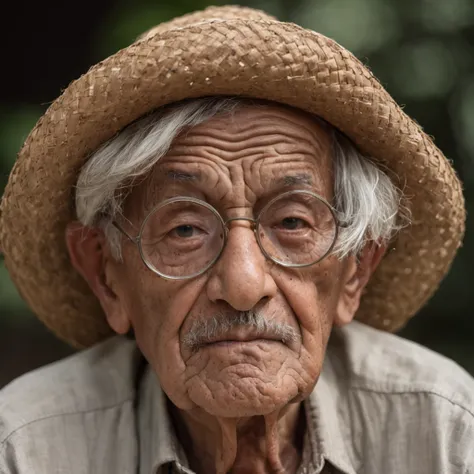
[(237, 164)]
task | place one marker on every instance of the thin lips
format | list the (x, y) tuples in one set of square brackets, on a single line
[(242, 336)]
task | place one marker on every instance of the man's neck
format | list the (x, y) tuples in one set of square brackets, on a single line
[(260, 444)]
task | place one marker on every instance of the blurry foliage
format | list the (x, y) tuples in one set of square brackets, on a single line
[(421, 50), (362, 26), (127, 21)]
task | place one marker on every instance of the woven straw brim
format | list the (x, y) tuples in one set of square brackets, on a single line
[(252, 57)]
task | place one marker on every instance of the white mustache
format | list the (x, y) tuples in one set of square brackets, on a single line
[(207, 331)]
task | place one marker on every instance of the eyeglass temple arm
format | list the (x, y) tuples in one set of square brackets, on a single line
[(124, 232)]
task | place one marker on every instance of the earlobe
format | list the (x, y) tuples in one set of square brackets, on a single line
[(356, 276), (86, 248)]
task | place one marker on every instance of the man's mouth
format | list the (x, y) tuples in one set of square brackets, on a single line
[(242, 328), (243, 336)]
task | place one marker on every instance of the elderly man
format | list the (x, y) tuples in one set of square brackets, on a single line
[(230, 192)]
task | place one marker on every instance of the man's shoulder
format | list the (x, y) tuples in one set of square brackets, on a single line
[(384, 363), (393, 401), (95, 379)]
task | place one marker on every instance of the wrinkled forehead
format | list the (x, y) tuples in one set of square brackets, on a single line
[(257, 149)]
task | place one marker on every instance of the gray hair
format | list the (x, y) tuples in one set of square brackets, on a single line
[(366, 201)]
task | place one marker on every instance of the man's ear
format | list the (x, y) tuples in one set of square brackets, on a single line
[(90, 256), (355, 278)]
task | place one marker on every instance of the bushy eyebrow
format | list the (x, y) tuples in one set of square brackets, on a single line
[(181, 176), (301, 179)]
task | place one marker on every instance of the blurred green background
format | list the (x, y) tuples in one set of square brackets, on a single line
[(421, 50)]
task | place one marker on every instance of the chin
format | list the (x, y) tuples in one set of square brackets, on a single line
[(242, 397)]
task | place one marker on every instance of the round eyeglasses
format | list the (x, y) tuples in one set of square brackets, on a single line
[(183, 237)]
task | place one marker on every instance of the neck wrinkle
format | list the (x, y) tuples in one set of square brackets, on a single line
[(272, 439), (257, 444), (227, 449)]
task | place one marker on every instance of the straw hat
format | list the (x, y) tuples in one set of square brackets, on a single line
[(229, 51)]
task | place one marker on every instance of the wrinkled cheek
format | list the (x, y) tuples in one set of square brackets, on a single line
[(159, 337), (161, 347), (315, 336), (313, 350), (311, 367), (171, 372), (314, 305)]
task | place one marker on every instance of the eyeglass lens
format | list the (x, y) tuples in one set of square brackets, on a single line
[(183, 238)]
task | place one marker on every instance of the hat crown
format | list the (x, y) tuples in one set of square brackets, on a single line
[(213, 13), (233, 51)]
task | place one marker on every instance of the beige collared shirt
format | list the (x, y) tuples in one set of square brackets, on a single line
[(382, 405)]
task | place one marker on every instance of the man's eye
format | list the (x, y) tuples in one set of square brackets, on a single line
[(184, 231), (292, 223)]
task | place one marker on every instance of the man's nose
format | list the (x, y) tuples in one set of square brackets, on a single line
[(240, 276)]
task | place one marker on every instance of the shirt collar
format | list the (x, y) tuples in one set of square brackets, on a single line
[(158, 443), (327, 438), (327, 425)]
